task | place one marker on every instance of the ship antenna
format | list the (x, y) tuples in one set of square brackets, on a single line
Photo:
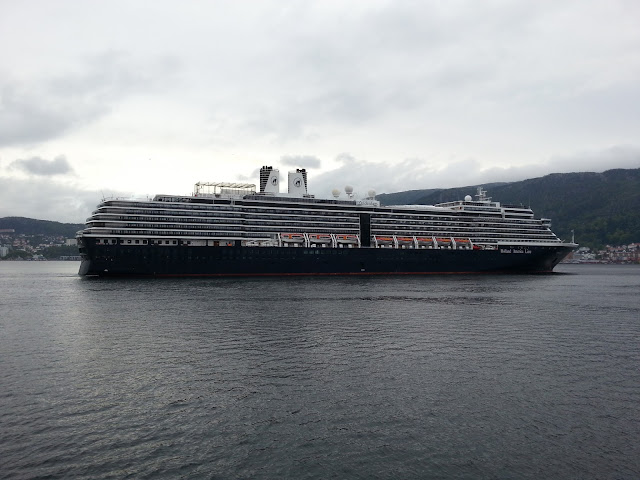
[(573, 236), (482, 195)]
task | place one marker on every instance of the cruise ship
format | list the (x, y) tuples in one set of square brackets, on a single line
[(226, 229)]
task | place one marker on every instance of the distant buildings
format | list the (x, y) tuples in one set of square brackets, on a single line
[(622, 254), (34, 247), (610, 254)]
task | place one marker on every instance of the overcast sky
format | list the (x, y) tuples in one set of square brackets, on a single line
[(138, 98)]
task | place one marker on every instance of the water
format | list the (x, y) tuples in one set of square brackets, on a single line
[(369, 377)]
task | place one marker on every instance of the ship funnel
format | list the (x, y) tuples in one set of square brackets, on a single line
[(298, 182), (269, 180)]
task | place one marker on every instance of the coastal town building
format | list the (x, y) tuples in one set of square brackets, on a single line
[(35, 247), (610, 254)]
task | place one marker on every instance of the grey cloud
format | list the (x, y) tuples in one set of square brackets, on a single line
[(346, 158), (42, 167), (46, 108), (461, 84), (618, 156), (437, 60), (47, 199), (302, 161), (422, 173), (365, 175), (251, 178)]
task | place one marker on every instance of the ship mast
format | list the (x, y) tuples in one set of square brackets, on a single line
[(482, 195)]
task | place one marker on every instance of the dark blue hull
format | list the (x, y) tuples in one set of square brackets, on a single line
[(153, 260)]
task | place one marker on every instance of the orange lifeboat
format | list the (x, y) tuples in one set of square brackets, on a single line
[(292, 237), (320, 238), (347, 239), (383, 240)]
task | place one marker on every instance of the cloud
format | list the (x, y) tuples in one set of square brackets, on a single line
[(617, 156), (39, 109), (365, 175), (301, 161), (356, 67), (419, 94), (47, 199), (422, 173), (40, 166)]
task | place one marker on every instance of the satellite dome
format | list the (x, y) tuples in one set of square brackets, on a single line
[(468, 198), (348, 189), (335, 192), (371, 193)]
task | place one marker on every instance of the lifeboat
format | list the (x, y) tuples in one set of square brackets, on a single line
[(404, 239), (347, 239), (443, 240), (384, 240), (292, 237), (463, 243), (320, 238), (424, 240)]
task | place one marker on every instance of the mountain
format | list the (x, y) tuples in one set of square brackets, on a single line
[(431, 196), (405, 198), (29, 226), (601, 208)]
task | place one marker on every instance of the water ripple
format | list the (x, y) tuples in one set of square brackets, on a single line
[(439, 377)]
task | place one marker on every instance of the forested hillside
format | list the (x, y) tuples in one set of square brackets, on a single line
[(29, 226)]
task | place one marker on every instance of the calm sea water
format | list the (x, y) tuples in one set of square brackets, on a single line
[(381, 377)]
